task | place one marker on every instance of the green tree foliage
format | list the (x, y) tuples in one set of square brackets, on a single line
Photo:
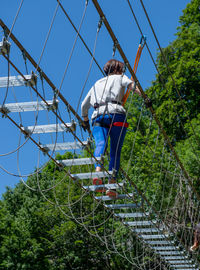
[(43, 229), (177, 100)]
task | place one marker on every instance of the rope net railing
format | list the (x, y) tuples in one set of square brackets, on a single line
[(157, 199)]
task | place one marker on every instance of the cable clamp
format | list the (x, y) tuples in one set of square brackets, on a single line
[(115, 47), (32, 81), (24, 55), (4, 46), (5, 32), (53, 106), (143, 40), (25, 131), (100, 23), (72, 128), (4, 111), (56, 92), (44, 149)]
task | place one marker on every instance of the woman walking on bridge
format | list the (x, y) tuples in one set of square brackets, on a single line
[(109, 116)]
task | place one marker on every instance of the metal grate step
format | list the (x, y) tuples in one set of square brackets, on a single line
[(147, 230), (120, 196), (28, 106), (183, 266), (78, 161), (186, 268), (166, 248), (175, 258), (154, 236), (50, 128), (121, 206), (18, 80), (64, 146), (180, 261), (170, 252), (106, 186), (91, 175), (140, 223), (132, 215), (159, 243)]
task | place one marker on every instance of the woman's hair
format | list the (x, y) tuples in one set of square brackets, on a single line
[(113, 67)]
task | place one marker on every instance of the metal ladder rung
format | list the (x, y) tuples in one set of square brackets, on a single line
[(106, 186), (49, 128), (27, 106), (170, 252), (132, 215), (64, 146), (182, 265), (140, 223), (146, 230), (120, 196), (159, 242), (154, 236), (166, 248), (175, 258), (78, 161), (185, 268), (179, 261), (91, 175), (18, 80), (121, 206)]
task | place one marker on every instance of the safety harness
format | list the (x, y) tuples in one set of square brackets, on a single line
[(116, 124), (97, 105), (101, 124)]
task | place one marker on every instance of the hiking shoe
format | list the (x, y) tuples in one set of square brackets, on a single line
[(112, 193), (97, 182)]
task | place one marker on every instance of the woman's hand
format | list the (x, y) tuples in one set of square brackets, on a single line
[(86, 123)]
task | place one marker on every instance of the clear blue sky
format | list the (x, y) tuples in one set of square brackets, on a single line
[(31, 28)]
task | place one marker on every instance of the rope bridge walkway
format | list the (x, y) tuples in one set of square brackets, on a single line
[(158, 221)]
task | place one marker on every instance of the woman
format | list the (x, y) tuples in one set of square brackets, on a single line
[(109, 116)]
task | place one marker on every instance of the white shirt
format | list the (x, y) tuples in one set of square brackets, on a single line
[(104, 91)]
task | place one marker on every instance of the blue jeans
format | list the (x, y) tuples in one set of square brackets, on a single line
[(116, 134)]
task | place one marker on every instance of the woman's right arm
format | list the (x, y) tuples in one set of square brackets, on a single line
[(131, 87)]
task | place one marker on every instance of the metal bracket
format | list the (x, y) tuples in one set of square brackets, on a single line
[(4, 111), (100, 23), (25, 132), (32, 81), (4, 46), (53, 106), (115, 47), (73, 126)]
